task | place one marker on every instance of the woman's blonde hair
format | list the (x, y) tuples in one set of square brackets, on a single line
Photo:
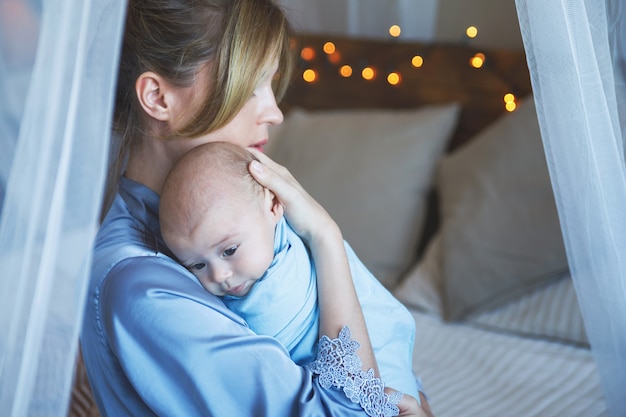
[(175, 38)]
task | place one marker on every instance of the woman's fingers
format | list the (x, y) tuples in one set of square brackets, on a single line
[(273, 176), (304, 214), (266, 160), (409, 407)]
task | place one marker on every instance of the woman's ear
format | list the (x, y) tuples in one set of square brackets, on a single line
[(276, 209), (152, 91)]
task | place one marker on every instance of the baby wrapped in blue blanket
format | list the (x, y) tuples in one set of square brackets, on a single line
[(231, 234)]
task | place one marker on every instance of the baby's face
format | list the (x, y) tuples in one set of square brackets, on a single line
[(231, 249)]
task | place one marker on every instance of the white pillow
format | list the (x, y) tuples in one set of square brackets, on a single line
[(372, 170), (501, 235), (550, 312), (420, 289)]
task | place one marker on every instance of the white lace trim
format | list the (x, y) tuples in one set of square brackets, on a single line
[(338, 364)]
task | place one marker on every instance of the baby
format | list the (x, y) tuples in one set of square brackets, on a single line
[(230, 232)]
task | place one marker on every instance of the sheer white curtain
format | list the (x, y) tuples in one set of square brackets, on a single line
[(575, 51), (58, 62)]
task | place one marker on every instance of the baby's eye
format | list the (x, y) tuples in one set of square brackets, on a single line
[(230, 251), (197, 267)]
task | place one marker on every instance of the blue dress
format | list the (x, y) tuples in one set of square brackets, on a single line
[(283, 304), (155, 342)]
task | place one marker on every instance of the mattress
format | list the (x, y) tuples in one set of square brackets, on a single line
[(471, 371)]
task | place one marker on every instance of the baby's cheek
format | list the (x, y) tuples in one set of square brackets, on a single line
[(264, 263)]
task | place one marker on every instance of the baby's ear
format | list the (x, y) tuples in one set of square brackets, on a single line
[(275, 207)]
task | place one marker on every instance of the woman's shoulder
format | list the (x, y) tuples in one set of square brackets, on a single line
[(142, 276), (150, 286), (127, 232)]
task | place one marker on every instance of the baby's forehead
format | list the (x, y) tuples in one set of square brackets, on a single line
[(220, 170), (241, 194)]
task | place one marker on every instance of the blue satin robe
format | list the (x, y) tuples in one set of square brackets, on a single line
[(283, 304), (155, 342)]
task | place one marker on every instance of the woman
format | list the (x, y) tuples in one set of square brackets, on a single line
[(154, 341)]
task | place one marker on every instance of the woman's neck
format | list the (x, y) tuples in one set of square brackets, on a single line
[(149, 165)]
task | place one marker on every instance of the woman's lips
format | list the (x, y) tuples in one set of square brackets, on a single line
[(259, 146)]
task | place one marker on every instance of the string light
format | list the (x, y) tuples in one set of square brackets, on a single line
[(334, 58), (477, 60), (393, 78), (345, 71), (471, 31), (329, 48), (309, 75), (307, 53), (510, 106), (368, 73), (509, 102), (417, 61), (395, 30)]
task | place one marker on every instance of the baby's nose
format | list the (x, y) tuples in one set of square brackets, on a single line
[(220, 274)]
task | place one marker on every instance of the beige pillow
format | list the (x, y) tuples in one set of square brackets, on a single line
[(500, 230), (372, 170), (420, 289)]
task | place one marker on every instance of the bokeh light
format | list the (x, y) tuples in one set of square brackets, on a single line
[(307, 53), (368, 73), (478, 60), (471, 31), (509, 102), (510, 106), (309, 75), (334, 58), (393, 78), (417, 61), (395, 31), (329, 48), (345, 71), (509, 97)]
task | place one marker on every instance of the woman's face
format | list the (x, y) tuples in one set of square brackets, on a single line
[(249, 128)]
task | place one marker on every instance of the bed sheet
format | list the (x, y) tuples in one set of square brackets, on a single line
[(468, 371)]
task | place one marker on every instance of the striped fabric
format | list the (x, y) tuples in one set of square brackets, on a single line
[(552, 313), (471, 372)]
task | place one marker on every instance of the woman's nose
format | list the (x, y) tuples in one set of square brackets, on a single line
[(271, 112), (276, 115)]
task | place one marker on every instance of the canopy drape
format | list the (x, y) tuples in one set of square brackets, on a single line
[(576, 55), (58, 63)]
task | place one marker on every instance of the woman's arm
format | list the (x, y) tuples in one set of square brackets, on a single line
[(183, 353), (339, 305)]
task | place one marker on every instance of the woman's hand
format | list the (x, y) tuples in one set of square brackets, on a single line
[(409, 407), (338, 302), (305, 215)]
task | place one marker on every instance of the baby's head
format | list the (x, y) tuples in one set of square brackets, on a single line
[(217, 220)]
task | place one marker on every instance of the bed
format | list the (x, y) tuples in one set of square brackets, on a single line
[(445, 196)]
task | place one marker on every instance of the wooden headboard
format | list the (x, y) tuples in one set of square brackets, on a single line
[(445, 76)]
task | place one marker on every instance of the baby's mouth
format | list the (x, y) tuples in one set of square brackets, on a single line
[(236, 290)]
